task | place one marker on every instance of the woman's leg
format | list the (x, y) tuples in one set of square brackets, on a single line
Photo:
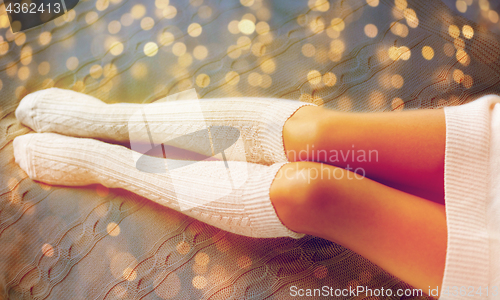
[(403, 149), (402, 233)]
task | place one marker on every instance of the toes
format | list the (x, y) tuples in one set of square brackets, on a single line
[(25, 112), (23, 153)]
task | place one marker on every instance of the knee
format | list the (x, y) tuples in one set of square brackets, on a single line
[(298, 194)]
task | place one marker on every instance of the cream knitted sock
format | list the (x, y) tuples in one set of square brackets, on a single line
[(257, 123), (234, 198)]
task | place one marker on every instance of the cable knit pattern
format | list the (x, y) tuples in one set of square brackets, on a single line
[(259, 121), (198, 190)]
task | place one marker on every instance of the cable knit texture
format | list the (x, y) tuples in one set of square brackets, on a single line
[(235, 199), (258, 122)]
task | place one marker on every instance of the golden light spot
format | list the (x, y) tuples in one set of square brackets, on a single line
[(202, 80), (48, 83), (114, 27), (244, 42), (183, 247), (411, 17), (196, 2), (205, 12), (126, 19), (4, 46), (170, 12), (463, 57), (20, 38), (372, 3), (453, 31), (329, 79), (101, 5), (202, 259), (258, 49), (332, 33), (320, 272), (150, 49), (129, 274), (45, 38), (400, 4), (306, 97), (254, 79), (102, 191), (194, 29), (467, 81), (405, 53), (113, 229), (138, 11), (448, 49), (233, 51), (244, 262), (459, 43), (72, 63), (264, 14), (139, 70), (250, 17), (79, 86), (246, 26), (397, 104), (317, 25), (199, 282), (91, 17), (185, 60), (376, 100), (493, 16), (26, 55), (166, 38), (4, 21), (161, 3), (268, 66), (223, 245), (338, 24), (397, 81), (267, 81), (308, 50), (337, 46), (179, 49), (23, 73), (48, 250), (232, 78), (428, 52), (302, 20), (314, 77), (110, 70), (11, 69), (319, 5), (484, 5), (247, 2), (467, 31), (371, 30), (384, 80), (458, 75), (461, 6), (147, 23), (1, 86), (116, 48), (344, 104), (262, 27), (200, 52), (233, 27)]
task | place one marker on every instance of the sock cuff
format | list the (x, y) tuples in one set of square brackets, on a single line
[(264, 220), (271, 133)]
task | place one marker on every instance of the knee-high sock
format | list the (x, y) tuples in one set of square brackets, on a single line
[(235, 199), (258, 122)]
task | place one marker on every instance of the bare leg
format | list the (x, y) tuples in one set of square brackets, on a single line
[(402, 233), (404, 149)]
